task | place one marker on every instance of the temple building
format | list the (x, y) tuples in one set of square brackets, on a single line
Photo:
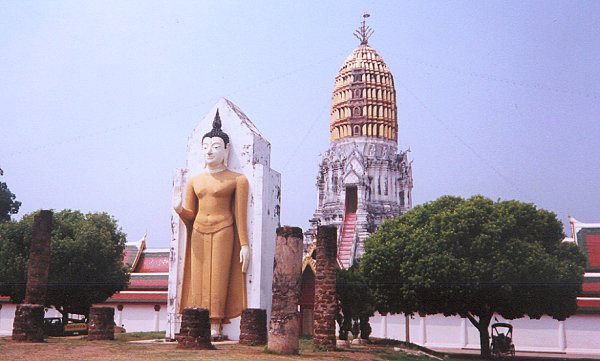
[(142, 306), (363, 178)]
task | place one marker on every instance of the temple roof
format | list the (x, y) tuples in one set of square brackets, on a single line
[(587, 238), (149, 275)]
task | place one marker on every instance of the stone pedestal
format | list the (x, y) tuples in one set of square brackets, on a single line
[(284, 328), (102, 324), (29, 323), (325, 299), (195, 329), (253, 327)]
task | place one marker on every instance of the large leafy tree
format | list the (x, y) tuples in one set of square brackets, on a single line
[(474, 257), (8, 203), (86, 264)]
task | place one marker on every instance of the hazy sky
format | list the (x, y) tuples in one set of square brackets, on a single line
[(97, 98)]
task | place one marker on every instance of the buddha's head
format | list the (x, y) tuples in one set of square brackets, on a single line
[(215, 145)]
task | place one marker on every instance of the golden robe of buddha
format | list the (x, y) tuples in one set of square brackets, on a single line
[(215, 214)]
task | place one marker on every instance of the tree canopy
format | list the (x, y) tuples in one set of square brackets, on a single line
[(474, 257), (8, 203), (86, 264)]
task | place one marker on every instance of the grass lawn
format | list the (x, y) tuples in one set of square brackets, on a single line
[(122, 349), (78, 348)]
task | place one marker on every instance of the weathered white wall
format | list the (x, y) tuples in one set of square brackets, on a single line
[(7, 316), (134, 317), (579, 334), (141, 317)]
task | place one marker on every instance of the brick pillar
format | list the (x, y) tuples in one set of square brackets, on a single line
[(195, 329), (253, 327), (39, 259), (284, 328), (102, 324), (28, 324), (325, 300)]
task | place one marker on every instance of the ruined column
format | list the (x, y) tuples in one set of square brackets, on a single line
[(253, 327), (102, 324), (195, 329), (39, 259), (29, 317), (284, 328), (325, 299)]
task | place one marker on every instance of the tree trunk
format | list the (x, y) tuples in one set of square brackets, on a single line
[(65, 316), (484, 336), (365, 327)]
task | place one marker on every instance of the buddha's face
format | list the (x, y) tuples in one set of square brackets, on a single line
[(214, 151)]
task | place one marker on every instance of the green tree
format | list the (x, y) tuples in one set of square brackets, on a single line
[(8, 204), (474, 258), (356, 303), (86, 264)]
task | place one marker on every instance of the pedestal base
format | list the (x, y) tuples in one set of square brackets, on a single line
[(28, 325), (195, 330)]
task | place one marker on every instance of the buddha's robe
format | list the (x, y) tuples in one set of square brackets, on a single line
[(215, 213)]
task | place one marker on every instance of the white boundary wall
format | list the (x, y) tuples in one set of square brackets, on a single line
[(579, 334), (134, 317)]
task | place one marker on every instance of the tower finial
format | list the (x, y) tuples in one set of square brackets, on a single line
[(364, 32)]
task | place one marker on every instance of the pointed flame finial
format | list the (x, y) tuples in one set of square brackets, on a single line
[(217, 121), (364, 32)]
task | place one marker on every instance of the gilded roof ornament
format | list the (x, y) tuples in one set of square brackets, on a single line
[(364, 32)]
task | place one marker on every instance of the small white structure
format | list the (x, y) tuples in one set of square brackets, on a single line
[(250, 154)]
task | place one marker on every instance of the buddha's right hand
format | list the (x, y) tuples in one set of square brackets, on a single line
[(177, 201)]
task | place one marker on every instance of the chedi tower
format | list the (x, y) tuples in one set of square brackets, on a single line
[(362, 178)]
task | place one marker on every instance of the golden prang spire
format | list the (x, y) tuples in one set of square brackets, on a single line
[(364, 32), (364, 98)]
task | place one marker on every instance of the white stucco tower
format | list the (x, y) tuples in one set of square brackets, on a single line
[(362, 178)]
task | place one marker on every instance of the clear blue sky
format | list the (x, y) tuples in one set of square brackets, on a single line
[(97, 98)]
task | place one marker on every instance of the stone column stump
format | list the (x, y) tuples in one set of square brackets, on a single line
[(195, 329), (29, 323), (102, 324), (325, 299), (253, 327), (284, 328)]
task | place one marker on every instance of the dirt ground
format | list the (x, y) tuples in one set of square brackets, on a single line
[(78, 348)]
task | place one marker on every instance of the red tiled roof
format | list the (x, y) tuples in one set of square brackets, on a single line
[(132, 254), (135, 297), (593, 249), (588, 305), (148, 282), (153, 262), (591, 286), (588, 240)]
